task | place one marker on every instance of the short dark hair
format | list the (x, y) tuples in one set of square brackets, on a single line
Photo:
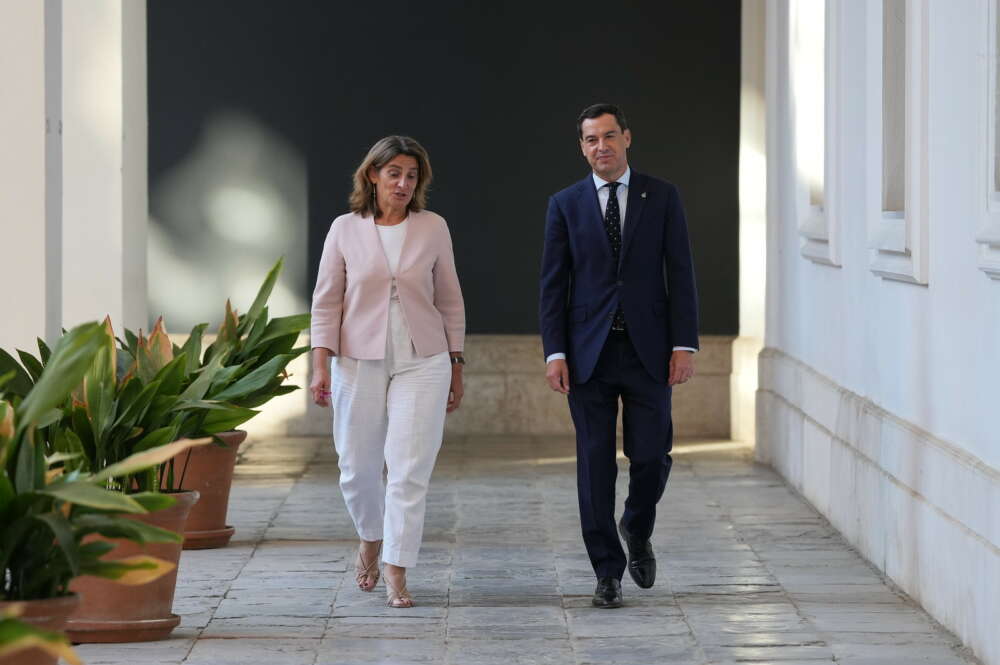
[(596, 111)]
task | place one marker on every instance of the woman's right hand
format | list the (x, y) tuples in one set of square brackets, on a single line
[(320, 385)]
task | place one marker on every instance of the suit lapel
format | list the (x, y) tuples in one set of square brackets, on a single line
[(591, 208), (633, 211)]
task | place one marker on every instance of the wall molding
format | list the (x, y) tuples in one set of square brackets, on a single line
[(899, 243), (988, 236), (889, 487), (817, 224)]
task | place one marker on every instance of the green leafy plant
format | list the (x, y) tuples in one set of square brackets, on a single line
[(249, 356), (47, 509), (124, 404)]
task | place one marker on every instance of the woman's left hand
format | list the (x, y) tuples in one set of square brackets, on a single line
[(457, 389)]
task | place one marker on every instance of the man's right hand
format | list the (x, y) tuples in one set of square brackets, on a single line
[(557, 374)]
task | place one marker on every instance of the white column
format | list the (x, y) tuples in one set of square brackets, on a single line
[(753, 190), (104, 162), (22, 173)]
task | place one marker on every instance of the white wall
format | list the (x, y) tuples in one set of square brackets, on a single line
[(22, 173), (104, 162), (73, 166), (878, 395), (753, 227)]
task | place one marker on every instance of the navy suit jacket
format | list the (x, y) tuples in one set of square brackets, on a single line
[(581, 286)]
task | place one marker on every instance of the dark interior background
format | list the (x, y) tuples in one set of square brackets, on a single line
[(492, 90)]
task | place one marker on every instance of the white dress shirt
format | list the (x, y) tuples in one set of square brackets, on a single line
[(603, 194)]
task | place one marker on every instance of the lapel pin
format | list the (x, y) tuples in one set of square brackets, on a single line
[(643, 195)]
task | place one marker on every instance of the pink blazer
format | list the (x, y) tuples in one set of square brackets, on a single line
[(350, 307)]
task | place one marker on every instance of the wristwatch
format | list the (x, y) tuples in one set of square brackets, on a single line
[(457, 360)]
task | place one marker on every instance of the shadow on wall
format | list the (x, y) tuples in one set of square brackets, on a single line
[(221, 218)]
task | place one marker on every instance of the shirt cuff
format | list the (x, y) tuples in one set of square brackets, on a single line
[(685, 348), (555, 356)]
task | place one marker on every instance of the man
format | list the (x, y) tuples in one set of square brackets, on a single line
[(619, 320)]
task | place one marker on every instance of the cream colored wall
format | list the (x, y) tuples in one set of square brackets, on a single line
[(506, 393), (22, 173), (73, 165), (104, 162)]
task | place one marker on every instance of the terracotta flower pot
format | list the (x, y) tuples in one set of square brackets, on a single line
[(48, 614), (112, 612), (208, 470)]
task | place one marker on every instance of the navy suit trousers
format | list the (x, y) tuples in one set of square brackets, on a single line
[(648, 435)]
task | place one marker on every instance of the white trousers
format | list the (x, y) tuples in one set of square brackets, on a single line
[(389, 413)]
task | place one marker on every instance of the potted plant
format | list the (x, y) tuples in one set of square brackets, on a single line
[(246, 364), (125, 406), (49, 513)]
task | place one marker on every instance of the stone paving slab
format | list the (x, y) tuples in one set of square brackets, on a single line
[(748, 573)]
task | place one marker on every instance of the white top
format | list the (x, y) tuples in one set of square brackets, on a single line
[(392, 238), (603, 193)]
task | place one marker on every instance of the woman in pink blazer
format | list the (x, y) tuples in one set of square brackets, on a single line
[(388, 310)]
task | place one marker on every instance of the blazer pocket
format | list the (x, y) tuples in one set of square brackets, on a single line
[(659, 308), (578, 314)]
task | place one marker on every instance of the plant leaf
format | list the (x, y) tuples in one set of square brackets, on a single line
[(226, 419), (31, 363), (146, 459), (55, 458), (199, 387), (153, 501), (265, 291), (92, 496), (285, 325), (192, 347), (44, 352), (255, 380), (65, 538), (6, 421), (21, 383), (160, 350), (70, 360), (16, 637), (262, 398), (156, 438), (132, 571), (111, 526), (228, 338)]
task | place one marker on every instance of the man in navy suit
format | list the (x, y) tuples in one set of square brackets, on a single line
[(619, 319)]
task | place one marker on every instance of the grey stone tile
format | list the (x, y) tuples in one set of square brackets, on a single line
[(253, 650), (749, 572), (342, 650)]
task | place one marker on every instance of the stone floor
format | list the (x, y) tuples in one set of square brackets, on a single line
[(749, 573)]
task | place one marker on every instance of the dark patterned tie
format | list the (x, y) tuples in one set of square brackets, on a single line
[(613, 225)]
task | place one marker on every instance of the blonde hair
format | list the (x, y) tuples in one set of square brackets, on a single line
[(362, 200)]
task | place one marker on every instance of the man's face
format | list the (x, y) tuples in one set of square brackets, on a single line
[(604, 144)]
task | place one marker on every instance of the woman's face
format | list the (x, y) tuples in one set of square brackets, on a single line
[(396, 181)]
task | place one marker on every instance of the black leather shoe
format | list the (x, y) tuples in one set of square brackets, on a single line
[(641, 562), (608, 593)]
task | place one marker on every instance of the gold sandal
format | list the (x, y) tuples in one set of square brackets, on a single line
[(397, 598), (370, 570)]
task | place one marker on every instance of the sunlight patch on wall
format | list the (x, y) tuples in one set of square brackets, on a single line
[(221, 218)]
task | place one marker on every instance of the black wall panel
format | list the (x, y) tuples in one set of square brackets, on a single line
[(492, 90)]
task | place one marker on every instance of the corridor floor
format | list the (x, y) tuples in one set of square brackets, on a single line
[(748, 573)]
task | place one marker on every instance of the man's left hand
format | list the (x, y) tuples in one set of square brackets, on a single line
[(681, 367)]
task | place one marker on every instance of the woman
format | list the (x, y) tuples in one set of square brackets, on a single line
[(388, 309)]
